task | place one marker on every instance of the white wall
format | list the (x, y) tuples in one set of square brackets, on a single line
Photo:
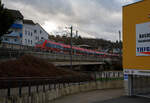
[(32, 34), (28, 35)]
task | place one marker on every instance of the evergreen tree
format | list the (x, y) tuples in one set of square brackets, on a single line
[(6, 20)]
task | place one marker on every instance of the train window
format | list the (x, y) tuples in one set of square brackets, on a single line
[(40, 42), (48, 45)]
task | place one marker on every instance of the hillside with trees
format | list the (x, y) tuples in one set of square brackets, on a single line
[(96, 44)]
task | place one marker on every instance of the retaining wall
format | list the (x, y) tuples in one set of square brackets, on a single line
[(51, 93)]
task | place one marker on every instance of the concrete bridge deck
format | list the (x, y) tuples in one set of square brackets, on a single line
[(77, 63)]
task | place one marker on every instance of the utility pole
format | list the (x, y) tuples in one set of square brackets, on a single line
[(119, 36), (76, 33), (71, 47)]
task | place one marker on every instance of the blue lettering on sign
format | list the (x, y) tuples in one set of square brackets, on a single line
[(125, 76), (143, 49)]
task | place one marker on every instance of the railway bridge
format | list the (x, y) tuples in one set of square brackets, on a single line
[(78, 62)]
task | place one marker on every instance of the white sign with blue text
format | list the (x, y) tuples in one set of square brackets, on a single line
[(143, 39)]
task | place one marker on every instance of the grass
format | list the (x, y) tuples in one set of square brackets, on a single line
[(106, 79)]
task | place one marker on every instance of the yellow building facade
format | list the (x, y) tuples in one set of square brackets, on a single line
[(136, 46)]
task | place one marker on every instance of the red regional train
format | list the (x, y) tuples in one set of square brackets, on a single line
[(48, 45)]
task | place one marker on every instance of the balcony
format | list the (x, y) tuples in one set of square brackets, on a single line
[(14, 34), (10, 40)]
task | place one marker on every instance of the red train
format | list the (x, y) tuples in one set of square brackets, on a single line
[(48, 45)]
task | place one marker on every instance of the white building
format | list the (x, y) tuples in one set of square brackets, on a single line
[(24, 32), (32, 33)]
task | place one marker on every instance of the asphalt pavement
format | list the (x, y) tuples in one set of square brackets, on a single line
[(91, 96), (125, 99), (101, 96)]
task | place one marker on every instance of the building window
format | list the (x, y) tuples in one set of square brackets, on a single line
[(42, 38), (31, 41), (35, 31), (40, 31), (25, 32), (31, 33), (36, 38), (28, 41), (6, 39), (15, 40)]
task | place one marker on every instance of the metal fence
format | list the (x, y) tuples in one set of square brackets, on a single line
[(141, 85)]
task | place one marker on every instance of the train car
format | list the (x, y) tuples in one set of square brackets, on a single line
[(53, 46), (48, 45)]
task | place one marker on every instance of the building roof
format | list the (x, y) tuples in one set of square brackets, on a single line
[(26, 21), (37, 24), (134, 3), (16, 14)]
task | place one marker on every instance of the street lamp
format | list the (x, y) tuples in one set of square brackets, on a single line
[(71, 28)]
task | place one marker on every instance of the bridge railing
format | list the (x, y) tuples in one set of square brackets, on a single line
[(60, 56), (8, 53), (12, 50)]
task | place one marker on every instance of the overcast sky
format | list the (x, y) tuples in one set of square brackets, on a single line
[(92, 18)]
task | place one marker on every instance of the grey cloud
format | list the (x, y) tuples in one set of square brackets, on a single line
[(98, 18), (47, 6)]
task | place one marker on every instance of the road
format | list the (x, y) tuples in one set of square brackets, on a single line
[(102, 96), (91, 97), (125, 99)]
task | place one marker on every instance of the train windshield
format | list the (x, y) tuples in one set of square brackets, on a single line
[(40, 42)]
